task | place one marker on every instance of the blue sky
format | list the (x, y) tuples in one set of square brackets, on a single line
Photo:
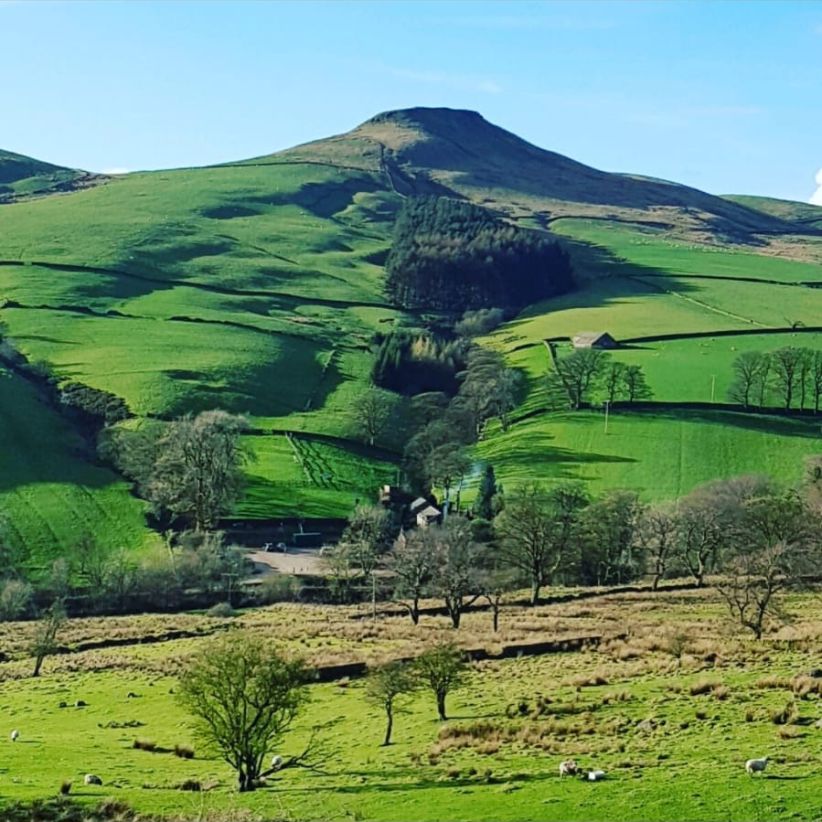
[(724, 96)]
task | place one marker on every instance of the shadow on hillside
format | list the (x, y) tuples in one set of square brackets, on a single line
[(604, 280), (806, 427)]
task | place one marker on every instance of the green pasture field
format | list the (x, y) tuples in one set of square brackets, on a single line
[(705, 717), (661, 454), (646, 249), (306, 477), (50, 493), (256, 227), (684, 370)]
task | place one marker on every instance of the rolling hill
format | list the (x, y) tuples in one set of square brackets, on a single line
[(257, 286), (22, 177)]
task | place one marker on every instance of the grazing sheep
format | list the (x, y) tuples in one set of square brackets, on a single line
[(276, 762), (92, 779), (596, 776), (568, 768), (15, 735), (753, 766)]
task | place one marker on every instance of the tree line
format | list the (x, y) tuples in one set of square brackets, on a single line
[(790, 377), (450, 255), (753, 537), (584, 373)]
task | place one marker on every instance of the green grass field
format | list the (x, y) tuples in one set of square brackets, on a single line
[(50, 495), (661, 454), (705, 718)]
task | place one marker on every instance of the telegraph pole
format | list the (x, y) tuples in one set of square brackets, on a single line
[(713, 386), (606, 416)]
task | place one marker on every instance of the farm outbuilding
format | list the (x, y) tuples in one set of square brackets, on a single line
[(593, 339)]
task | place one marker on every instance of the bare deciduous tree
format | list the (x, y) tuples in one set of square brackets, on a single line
[(412, 563), (777, 540), (536, 531), (44, 641), (657, 535)]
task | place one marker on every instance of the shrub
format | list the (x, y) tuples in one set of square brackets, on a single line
[(144, 745), (278, 588), (479, 322), (222, 610), (704, 686), (15, 599), (65, 788), (184, 752), (785, 716)]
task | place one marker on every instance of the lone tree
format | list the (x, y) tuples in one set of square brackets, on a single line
[(243, 695), (44, 642), (484, 507), (372, 410), (386, 683), (367, 536), (197, 468), (441, 669)]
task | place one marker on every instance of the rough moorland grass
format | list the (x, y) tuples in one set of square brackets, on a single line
[(671, 747)]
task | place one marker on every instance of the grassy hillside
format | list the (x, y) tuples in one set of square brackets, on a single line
[(50, 494), (256, 286), (22, 177)]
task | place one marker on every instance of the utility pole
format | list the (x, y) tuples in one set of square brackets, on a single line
[(230, 577), (374, 595), (606, 415), (713, 386)]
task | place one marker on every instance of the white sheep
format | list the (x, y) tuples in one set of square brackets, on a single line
[(753, 766), (276, 762), (92, 779), (568, 768), (15, 735), (596, 776)]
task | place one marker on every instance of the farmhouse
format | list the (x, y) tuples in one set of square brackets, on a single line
[(593, 339), (424, 512)]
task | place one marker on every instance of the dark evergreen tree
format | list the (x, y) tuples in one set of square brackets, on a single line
[(484, 505)]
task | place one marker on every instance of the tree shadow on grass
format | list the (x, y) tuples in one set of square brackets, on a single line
[(403, 779)]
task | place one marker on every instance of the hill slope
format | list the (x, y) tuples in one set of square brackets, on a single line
[(22, 176), (256, 286)]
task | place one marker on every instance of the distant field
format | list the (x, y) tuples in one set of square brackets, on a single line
[(660, 453), (648, 249), (486, 761), (305, 477), (50, 494)]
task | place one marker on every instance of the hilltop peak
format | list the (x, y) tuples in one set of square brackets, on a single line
[(423, 115)]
